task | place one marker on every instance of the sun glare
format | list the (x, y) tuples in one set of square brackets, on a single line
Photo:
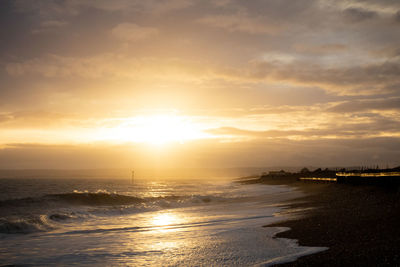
[(155, 129), (164, 219), (164, 222)]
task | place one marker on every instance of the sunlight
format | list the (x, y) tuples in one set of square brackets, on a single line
[(165, 219), (154, 129)]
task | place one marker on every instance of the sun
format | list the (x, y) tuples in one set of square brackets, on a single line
[(161, 129), (154, 129)]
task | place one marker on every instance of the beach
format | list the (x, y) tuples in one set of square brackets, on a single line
[(359, 224)]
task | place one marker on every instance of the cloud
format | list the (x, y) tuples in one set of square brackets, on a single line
[(381, 7), (51, 9), (53, 23), (130, 32), (241, 23), (366, 79), (25, 119), (360, 79), (355, 15), (374, 126), (50, 26), (160, 7), (321, 48), (59, 66), (110, 66), (366, 105), (232, 131), (397, 16)]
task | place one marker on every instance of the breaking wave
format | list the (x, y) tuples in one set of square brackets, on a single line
[(75, 198), (103, 198), (36, 214), (25, 225), (95, 199)]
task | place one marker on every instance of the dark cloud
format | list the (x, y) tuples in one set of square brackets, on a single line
[(363, 105), (397, 16), (379, 3), (373, 78), (320, 48), (358, 14)]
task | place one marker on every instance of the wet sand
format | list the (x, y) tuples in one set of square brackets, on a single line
[(359, 224)]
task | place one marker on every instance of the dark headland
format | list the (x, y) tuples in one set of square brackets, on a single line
[(358, 219)]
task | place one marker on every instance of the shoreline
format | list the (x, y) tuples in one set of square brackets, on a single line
[(359, 224)]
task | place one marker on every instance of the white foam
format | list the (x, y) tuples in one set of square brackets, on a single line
[(291, 245), (292, 257)]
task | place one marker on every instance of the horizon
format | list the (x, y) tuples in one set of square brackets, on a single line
[(178, 174), (199, 84)]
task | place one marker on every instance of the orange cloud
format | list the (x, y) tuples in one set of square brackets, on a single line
[(130, 32)]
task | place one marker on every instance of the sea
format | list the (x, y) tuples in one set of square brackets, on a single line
[(114, 222)]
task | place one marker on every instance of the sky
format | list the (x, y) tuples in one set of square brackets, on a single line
[(199, 83)]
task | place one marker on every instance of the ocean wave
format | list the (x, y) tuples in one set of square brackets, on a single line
[(104, 198), (60, 217), (74, 198), (95, 199), (25, 225), (48, 212)]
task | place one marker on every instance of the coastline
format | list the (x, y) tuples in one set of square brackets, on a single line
[(359, 224)]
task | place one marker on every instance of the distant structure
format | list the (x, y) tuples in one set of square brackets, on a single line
[(277, 173), (361, 176), (133, 177), (388, 176)]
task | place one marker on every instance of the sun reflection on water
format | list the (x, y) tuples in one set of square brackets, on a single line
[(165, 233), (165, 219)]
